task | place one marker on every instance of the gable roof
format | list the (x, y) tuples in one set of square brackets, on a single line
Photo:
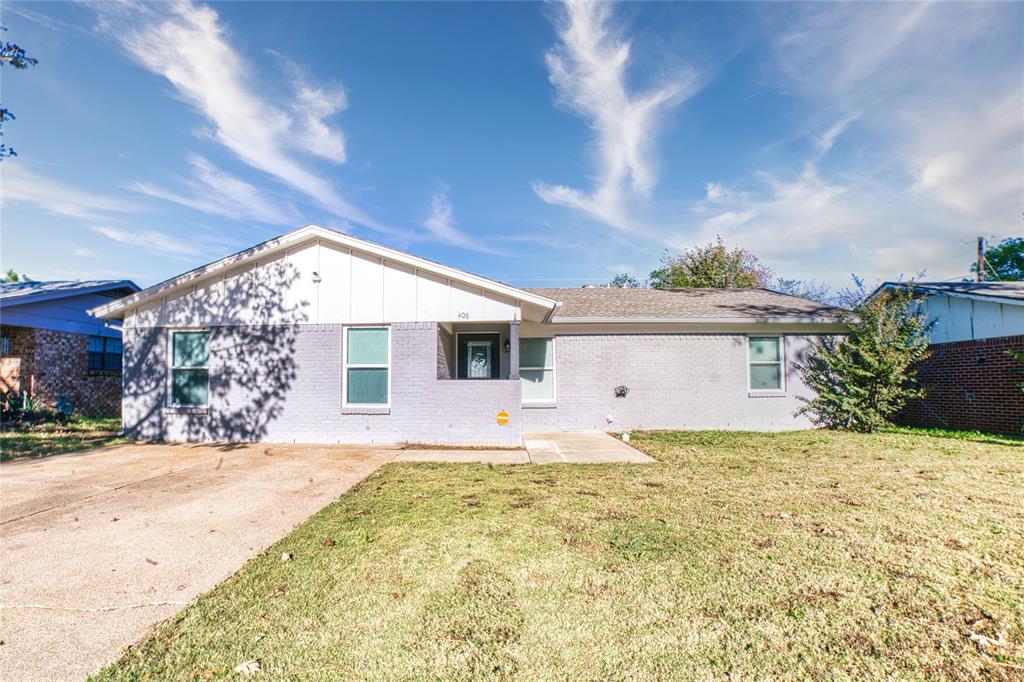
[(1011, 293), (684, 305), (21, 293), (305, 234)]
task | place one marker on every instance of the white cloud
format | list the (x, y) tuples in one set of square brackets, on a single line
[(312, 105), (188, 45), (441, 224), (84, 252), (588, 71), (828, 138), (219, 193), (20, 185), (150, 240), (938, 82), (937, 158)]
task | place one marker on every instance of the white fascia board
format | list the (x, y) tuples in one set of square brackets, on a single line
[(695, 320), (112, 310), (930, 291)]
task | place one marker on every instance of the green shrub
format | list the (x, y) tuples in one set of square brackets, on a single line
[(862, 379)]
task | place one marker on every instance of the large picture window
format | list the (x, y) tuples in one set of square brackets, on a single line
[(190, 368), (105, 353), (367, 366), (537, 369), (765, 359)]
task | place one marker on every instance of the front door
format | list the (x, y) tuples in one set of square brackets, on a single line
[(478, 356)]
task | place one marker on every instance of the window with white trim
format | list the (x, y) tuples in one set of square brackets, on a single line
[(367, 380), (537, 369), (190, 368), (764, 354)]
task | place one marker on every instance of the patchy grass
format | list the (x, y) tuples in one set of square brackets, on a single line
[(42, 439), (812, 555)]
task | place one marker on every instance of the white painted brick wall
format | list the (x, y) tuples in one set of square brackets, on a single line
[(684, 381), (303, 402), (283, 384)]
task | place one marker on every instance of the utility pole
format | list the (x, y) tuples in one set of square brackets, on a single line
[(981, 259)]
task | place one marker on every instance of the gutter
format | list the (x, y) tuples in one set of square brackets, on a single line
[(692, 320)]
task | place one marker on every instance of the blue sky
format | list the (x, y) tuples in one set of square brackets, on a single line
[(539, 144)]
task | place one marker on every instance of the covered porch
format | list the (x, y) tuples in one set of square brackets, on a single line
[(478, 351)]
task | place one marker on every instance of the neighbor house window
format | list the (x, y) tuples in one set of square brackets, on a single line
[(190, 368), (105, 353), (765, 356), (5, 346), (537, 369), (367, 366)]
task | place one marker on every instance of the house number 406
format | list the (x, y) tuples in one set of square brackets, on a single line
[(463, 316)]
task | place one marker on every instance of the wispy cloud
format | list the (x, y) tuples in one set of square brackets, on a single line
[(588, 69), (213, 191), (149, 240), (441, 224), (83, 252), (188, 45), (827, 139), (20, 185), (938, 145), (951, 117)]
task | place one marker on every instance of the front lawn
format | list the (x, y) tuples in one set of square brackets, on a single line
[(813, 555), (44, 438)]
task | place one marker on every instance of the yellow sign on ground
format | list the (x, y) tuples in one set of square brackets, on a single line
[(502, 418)]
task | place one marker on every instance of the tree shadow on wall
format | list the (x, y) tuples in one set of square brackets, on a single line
[(252, 365)]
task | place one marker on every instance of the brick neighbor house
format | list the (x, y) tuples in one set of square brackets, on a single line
[(52, 348), (970, 381), (317, 336)]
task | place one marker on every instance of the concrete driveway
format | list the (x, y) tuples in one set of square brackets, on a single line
[(98, 547)]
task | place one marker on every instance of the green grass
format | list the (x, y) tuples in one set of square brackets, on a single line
[(811, 555), (41, 439)]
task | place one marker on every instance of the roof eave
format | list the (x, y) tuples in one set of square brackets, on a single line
[(935, 291), (696, 320), (40, 296)]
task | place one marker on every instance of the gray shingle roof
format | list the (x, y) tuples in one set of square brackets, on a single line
[(1013, 290), (682, 304)]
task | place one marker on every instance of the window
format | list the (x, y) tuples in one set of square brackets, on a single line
[(367, 365), (537, 369), (105, 353), (190, 368), (765, 356), (5, 346)]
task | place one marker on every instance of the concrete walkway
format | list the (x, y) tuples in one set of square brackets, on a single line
[(589, 447), (96, 548), (584, 447)]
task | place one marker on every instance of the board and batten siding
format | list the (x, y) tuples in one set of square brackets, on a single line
[(966, 319), (320, 283)]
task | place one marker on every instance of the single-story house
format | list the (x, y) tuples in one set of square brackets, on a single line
[(970, 380), (54, 350), (317, 336)]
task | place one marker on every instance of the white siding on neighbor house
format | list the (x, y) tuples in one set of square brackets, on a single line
[(319, 283), (959, 318)]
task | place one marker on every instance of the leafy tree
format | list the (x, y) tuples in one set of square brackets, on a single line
[(805, 288), (712, 265), (13, 276), (864, 378), (625, 280), (1005, 262), (12, 54)]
